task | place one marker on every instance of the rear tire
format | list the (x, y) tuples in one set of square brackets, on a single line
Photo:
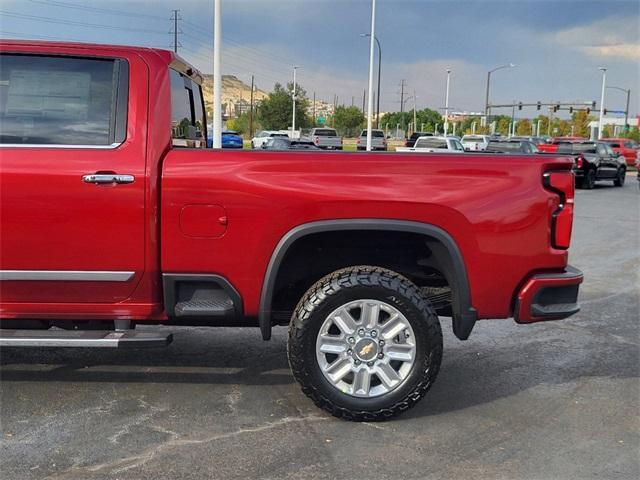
[(375, 365), (589, 180), (620, 178)]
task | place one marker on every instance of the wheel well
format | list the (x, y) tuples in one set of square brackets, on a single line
[(423, 259)]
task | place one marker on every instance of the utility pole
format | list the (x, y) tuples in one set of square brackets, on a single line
[(251, 111), (446, 105), (415, 119), (353, 99), (217, 74), (538, 129), (402, 102), (293, 94), (364, 98), (175, 17), (314, 109)]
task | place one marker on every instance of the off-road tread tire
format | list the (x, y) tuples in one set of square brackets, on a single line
[(428, 331), (620, 178)]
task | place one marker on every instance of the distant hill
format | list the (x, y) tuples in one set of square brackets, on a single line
[(234, 91)]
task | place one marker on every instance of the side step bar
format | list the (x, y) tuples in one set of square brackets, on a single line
[(83, 338)]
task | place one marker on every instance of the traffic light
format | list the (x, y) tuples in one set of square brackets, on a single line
[(556, 108), (604, 112), (593, 105), (538, 106), (588, 110), (570, 109), (520, 106)]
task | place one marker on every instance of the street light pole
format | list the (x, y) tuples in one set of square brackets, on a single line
[(217, 75), (371, 50), (379, 74), (293, 94), (446, 105), (626, 110), (601, 117), (486, 98)]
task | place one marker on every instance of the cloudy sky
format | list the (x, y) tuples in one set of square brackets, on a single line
[(558, 45)]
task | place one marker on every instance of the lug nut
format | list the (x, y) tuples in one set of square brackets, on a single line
[(381, 343), (361, 332), (357, 362), (374, 334), (380, 355), (352, 340), (370, 364), (407, 334), (349, 352)]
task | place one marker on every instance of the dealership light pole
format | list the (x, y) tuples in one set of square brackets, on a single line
[(217, 76), (446, 105), (379, 73), (293, 94), (486, 101), (372, 36), (601, 117), (626, 110)]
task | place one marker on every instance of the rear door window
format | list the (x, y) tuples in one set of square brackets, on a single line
[(62, 100), (188, 124)]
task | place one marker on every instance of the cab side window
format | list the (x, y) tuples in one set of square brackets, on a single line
[(62, 100), (188, 123)]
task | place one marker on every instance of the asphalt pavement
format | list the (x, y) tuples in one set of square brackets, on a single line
[(559, 400)]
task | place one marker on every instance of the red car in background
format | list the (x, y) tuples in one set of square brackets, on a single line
[(552, 147), (626, 147)]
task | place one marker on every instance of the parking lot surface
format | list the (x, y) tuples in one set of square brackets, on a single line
[(555, 400)]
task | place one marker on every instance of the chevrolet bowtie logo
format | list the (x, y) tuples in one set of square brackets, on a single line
[(366, 350)]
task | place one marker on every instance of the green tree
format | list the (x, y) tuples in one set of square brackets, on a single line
[(523, 127), (427, 118), (502, 124), (241, 124), (633, 134), (544, 124), (347, 120), (580, 120), (276, 111)]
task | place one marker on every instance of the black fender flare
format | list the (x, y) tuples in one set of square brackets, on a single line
[(464, 315)]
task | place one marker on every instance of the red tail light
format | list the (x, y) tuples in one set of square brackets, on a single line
[(316, 140), (561, 183), (579, 161)]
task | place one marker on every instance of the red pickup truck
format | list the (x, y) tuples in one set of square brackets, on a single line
[(114, 215), (625, 147)]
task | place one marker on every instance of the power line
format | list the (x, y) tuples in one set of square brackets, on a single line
[(79, 24), (109, 11)]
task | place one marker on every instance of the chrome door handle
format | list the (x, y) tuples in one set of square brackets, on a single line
[(107, 178)]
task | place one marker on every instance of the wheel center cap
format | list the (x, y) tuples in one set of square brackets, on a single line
[(366, 349)]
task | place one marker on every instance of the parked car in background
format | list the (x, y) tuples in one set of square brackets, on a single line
[(286, 143), (552, 146), (510, 145), (475, 142), (230, 139), (326, 138), (434, 145), (410, 142), (261, 137), (595, 161), (537, 141), (625, 147), (378, 142)]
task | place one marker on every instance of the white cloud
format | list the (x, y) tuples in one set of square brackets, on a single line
[(609, 37)]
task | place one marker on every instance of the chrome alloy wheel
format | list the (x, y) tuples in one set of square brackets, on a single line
[(366, 348)]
